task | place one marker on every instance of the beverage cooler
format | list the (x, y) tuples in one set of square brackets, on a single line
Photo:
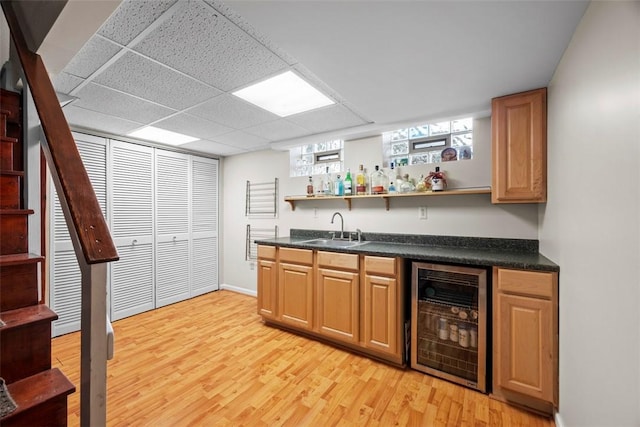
[(449, 323)]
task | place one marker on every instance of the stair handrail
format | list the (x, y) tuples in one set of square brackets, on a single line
[(92, 242), (63, 158)]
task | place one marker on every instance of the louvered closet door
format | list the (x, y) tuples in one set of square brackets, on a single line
[(131, 201), (204, 225), (64, 272), (173, 282)]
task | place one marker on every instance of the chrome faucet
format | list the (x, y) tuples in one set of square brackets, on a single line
[(341, 223)]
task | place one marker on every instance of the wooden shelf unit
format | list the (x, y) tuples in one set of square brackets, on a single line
[(386, 197)]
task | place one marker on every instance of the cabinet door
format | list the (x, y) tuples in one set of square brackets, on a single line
[(519, 133), (380, 314), (204, 225), (338, 304), (173, 275), (295, 295), (64, 272), (132, 285), (267, 288), (523, 345)]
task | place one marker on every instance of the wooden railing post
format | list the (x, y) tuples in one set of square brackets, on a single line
[(93, 370)]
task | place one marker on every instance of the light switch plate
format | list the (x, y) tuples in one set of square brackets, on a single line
[(422, 212)]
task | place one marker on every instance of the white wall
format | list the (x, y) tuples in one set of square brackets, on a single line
[(5, 38), (590, 223), (472, 215)]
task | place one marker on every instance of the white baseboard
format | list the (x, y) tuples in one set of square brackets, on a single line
[(558, 419), (239, 290)]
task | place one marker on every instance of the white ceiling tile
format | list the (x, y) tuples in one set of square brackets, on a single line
[(113, 103), (193, 126), (277, 130), (65, 83), (231, 111), (243, 140), (147, 79), (131, 18), (92, 56), (93, 120), (245, 26), (211, 147), (327, 118), (204, 44)]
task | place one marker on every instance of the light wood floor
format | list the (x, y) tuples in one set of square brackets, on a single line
[(210, 361)]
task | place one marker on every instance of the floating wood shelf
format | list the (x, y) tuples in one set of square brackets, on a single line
[(292, 200)]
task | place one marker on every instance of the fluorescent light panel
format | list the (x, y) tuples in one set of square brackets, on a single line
[(284, 95), (164, 136)]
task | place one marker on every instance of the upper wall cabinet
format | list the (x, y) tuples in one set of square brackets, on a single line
[(519, 143)]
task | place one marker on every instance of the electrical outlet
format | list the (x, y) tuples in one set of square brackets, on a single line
[(422, 212), (315, 212), (252, 265)]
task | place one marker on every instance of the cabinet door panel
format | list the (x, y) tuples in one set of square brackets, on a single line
[(132, 224), (172, 194), (337, 304), (523, 348), (380, 314), (295, 291), (267, 288), (64, 272), (204, 225), (518, 124)]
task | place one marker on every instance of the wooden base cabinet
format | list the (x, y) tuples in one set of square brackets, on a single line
[(337, 298), (525, 338), (295, 287), (267, 282), (349, 299), (519, 147), (382, 306)]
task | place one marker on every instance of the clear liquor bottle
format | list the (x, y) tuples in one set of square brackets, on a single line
[(379, 181), (327, 185)]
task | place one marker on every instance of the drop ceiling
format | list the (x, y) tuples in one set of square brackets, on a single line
[(173, 64)]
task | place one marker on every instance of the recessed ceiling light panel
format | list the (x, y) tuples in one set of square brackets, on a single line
[(284, 95), (160, 135)]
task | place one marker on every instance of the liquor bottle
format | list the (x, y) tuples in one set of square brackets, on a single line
[(438, 180), (348, 184), (327, 188), (379, 181), (361, 182), (338, 187), (392, 188), (392, 172), (310, 187)]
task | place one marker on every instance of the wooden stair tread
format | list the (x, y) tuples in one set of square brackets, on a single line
[(16, 211), (17, 259), (8, 139), (11, 172), (37, 389), (26, 315)]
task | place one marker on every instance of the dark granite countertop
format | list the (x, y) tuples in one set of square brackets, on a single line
[(510, 253)]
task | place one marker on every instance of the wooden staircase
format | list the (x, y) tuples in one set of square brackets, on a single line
[(25, 332)]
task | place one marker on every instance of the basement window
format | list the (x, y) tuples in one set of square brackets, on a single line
[(314, 159), (429, 143)]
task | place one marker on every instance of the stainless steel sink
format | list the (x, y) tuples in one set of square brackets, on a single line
[(333, 243)]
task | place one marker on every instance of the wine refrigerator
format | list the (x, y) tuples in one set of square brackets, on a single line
[(449, 323)]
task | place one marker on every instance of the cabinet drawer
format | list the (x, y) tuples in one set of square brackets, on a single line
[(298, 256), (526, 282), (332, 259), (268, 252), (380, 265)]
